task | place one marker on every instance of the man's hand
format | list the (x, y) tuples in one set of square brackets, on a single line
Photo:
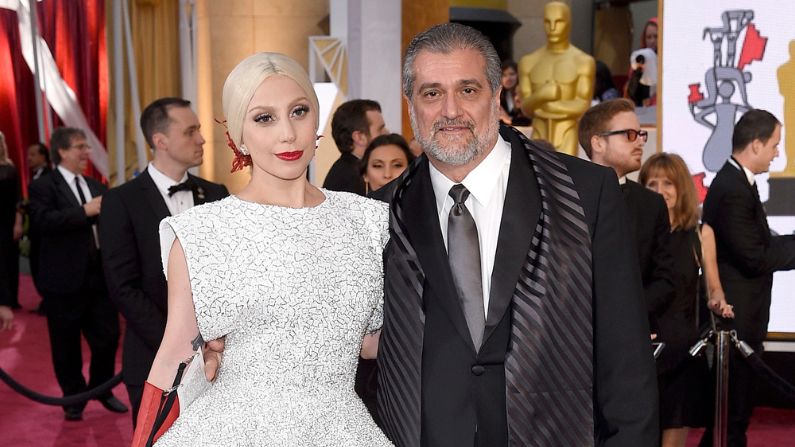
[(6, 317), (19, 229), (213, 351), (93, 206)]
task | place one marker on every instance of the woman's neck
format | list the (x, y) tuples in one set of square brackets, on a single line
[(269, 190)]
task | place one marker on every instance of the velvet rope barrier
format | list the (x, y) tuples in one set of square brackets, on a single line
[(72, 399), (763, 370)]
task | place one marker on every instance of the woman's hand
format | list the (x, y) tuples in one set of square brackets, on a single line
[(213, 351), (718, 305), (370, 345)]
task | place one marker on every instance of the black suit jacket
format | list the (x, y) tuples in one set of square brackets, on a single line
[(345, 175), (747, 253), (457, 396), (131, 214), (64, 232), (651, 229)]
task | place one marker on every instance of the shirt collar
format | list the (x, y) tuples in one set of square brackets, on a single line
[(162, 181), (68, 175), (622, 180), (481, 181), (748, 174)]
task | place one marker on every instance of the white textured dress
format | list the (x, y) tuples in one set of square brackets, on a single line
[(294, 291)]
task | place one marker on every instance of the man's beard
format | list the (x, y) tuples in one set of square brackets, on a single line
[(457, 156)]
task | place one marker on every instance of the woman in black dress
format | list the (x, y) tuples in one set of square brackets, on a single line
[(10, 232), (683, 401)]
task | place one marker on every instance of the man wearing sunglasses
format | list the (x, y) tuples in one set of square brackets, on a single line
[(611, 136)]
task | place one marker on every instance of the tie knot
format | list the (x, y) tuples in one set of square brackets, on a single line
[(459, 193), (187, 185)]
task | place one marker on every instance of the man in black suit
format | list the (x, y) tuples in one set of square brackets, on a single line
[(610, 134), (747, 253), (64, 208), (38, 160), (512, 311), (39, 165), (131, 214), (354, 125)]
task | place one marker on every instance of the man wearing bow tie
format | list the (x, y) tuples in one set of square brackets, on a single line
[(131, 214), (748, 254), (64, 206)]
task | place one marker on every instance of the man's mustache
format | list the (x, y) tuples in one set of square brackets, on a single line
[(453, 123)]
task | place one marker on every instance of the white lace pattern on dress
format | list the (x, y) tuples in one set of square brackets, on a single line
[(294, 291)]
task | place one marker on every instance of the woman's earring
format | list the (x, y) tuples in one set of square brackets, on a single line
[(317, 141), (244, 149)]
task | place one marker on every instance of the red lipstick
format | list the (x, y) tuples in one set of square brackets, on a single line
[(290, 156)]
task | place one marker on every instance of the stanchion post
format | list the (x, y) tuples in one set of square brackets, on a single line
[(719, 435)]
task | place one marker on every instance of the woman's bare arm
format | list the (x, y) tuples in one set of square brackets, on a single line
[(182, 336), (709, 254)]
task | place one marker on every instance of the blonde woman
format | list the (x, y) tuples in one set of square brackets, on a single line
[(10, 232), (681, 403), (291, 276)]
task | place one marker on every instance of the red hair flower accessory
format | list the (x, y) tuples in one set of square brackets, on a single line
[(241, 160)]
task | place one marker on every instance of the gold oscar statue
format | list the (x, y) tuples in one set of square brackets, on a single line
[(782, 183), (557, 82)]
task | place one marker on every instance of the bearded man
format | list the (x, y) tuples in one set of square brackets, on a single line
[(513, 311)]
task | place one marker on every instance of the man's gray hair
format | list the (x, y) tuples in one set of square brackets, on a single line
[(444, 39)]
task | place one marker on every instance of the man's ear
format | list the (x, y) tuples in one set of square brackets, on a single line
[(756, 146), (359, 138), (598, 146), (160, 141)]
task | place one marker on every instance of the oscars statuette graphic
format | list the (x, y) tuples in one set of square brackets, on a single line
[(782, 183)]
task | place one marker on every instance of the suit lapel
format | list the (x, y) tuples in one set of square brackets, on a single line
[(422, 225), (94, 187), (520, 214), (153, 196), (64, 188)]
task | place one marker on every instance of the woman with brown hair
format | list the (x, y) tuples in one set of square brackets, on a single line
[(682, 402)]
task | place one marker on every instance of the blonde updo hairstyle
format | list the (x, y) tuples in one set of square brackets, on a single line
[(247, 76)]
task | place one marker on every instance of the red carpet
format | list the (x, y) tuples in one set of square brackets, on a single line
[(25, 355)]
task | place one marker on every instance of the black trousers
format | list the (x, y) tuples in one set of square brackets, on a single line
[(91, 313), (9, 273)]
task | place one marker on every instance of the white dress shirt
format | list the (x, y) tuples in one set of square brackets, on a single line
[(181, 200), (70, 176), (748, 174), (486, 184)]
